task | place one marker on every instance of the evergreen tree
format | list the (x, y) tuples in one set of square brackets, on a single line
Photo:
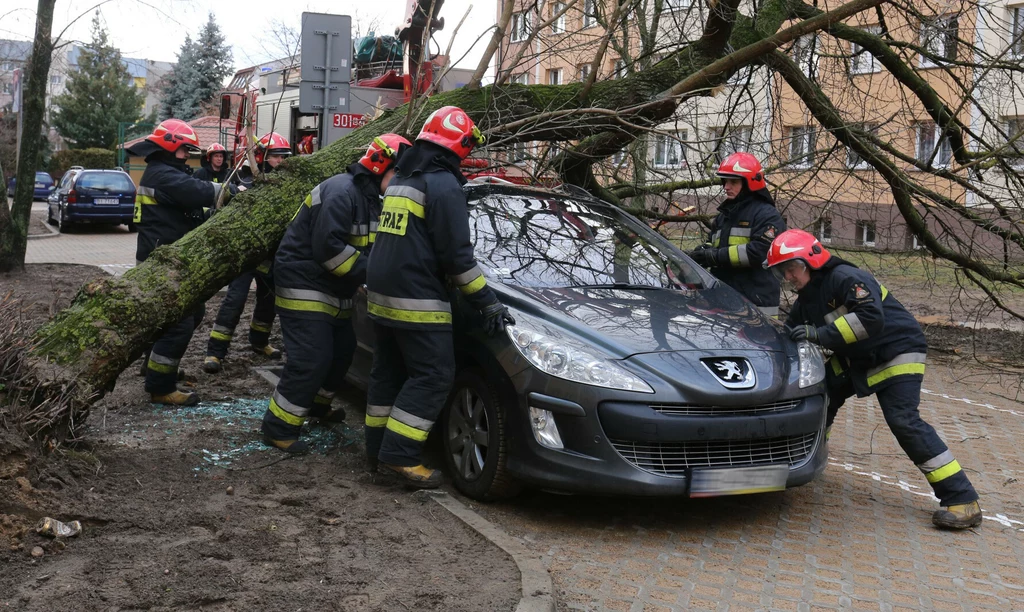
[(100, 94), (199, 75)]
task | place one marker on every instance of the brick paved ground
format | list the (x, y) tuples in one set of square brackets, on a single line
[(859, 538), (109, 247)]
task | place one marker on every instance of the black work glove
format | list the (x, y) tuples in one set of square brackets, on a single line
[(496, 318), (704, 255), (804, 332)]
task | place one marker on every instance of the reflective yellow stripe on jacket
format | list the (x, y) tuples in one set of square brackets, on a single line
[(408, 310), (907, 363), (308, 300)]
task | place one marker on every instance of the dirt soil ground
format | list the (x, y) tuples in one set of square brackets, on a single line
[(184, 509), (37, 224)]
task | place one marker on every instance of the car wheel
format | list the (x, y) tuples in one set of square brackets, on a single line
[(62, 223), (475, 441), (49, 215)]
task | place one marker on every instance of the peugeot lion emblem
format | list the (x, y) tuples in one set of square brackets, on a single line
[(733, 373)]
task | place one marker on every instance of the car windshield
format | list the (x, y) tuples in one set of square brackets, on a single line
[(42, 177), (555, 242), (108, 182)]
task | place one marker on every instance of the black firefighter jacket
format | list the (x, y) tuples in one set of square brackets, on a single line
[(423, 239), (870, 332), (169, 203), (740, 236), (207, 173), (322, 258)]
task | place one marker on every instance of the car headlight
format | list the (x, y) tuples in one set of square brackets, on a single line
[(569, 359), (812, 364)]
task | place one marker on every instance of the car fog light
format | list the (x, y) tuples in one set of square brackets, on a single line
[(544, 428)]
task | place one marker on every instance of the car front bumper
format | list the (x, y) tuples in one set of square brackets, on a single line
[(648, 445)]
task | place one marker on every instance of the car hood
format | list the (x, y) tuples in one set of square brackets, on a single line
[(627, 322)]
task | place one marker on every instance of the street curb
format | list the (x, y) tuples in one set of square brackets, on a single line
[(53, 233), (538, 593)]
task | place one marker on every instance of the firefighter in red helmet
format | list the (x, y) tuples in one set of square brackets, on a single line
[(214, 165), (877, 348), (745, 226), (320, 264), (169, 203), (271, 150), (423, 243)]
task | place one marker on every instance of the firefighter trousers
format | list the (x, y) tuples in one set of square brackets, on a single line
[(899, 402), (411, 377), (319, 355), (163, 358), (231, 311)]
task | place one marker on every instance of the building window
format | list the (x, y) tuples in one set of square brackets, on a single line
[(558, 25), (520, 153), (866, 233), (938, 38), (932, 146), (555, 76), (861, 61), (583, 71), (520, 27), (853, 160), (522, 78), (801, 146), (620, 69), (8, 65), (729, 141), (1017, 42), (825, 230), (805, 54), (55, 79), (741, 77), (589, 13), (669, 151), (675, 5), (1014, 151), (618, 157)]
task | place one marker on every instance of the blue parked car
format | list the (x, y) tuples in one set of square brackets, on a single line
[(92, 196), (44, 185)]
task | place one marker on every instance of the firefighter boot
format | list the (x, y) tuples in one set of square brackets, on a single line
[(959, 516), (292, 447), (176, 398), (267, 351), (417, 476), (212, 365)]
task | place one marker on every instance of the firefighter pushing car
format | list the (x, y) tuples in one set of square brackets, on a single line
[(877, 349)]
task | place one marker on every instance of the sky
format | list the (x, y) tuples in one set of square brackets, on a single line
[(155, 30)]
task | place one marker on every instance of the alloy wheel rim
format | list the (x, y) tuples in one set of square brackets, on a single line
[(468, 434)]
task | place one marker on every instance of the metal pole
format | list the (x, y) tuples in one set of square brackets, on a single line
[(327, 89)]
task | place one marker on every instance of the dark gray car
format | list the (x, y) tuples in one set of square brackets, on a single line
[(630, 370)]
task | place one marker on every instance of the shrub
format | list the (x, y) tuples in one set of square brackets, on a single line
[(98, 159)]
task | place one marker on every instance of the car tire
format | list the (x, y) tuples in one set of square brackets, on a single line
[(49, 215), (62, 224), (475, 439)]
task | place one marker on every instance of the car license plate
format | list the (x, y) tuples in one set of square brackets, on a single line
[(39, 185), (711, 482), (106, 201)]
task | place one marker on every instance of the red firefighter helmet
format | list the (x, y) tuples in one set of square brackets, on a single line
[(272, 144), (451, 127), (796, 244), (383, 152), (173, 134), (745, 166), (215, 148)]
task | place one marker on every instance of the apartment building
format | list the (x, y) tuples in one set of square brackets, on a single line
[(819, 184), (146, 75)]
